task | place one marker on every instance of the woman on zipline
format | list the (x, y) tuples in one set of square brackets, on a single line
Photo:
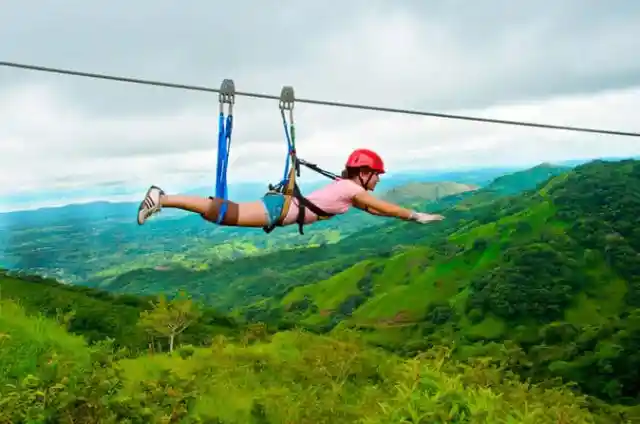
[(361, 174)]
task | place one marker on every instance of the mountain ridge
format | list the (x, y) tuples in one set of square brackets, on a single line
[(558, 264), (243, 375), (251, 191), (536, 272), (244, 282), (70, 242)]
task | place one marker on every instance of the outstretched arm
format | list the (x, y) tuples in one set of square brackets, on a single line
[(375, 206), (370, 210)]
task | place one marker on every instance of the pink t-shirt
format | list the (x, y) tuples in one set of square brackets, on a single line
[(336, 197)]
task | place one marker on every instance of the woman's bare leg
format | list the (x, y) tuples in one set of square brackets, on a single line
[(246, 214), (197, 204)]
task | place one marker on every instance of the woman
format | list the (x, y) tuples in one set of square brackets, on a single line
[(361, 174)]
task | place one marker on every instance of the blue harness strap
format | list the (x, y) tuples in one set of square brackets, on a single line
[(227, 95)]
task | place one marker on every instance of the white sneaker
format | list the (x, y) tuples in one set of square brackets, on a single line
[(150, 205)]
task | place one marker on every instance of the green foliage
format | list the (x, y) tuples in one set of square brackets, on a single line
[(63, 391), (553, 270), (534, 281), (27, 342), (288, 377), (98, 315), (603, 200), (543, 283), (169, 318)]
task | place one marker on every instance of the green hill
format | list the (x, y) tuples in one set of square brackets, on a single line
[(412, 193), (98, 315), (248, 285), (483, 317), (554, 272), (50, 375), (76, 243), (505, 185), (525, 180)]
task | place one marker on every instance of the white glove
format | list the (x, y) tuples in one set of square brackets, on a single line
[(424, 218)]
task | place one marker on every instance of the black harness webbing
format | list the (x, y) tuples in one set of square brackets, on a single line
[(292, 191)]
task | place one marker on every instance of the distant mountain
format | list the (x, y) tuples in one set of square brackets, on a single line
[(98, 241), (241, 192), (576, 162), (248, 281), (250, 191), (474, 209), (418, 192), (525, 180)]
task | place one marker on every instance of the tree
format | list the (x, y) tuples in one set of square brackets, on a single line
[(169, 318)]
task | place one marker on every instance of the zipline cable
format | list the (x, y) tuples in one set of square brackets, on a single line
[(318, 102)]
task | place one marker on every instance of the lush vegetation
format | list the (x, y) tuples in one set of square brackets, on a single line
[(523, 305), (551, 274), (75, 243), (249, 282), (50, 375), (98, 315)]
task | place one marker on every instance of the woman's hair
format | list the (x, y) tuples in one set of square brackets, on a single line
[(350, 173)]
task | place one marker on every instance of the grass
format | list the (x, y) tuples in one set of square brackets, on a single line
[(439, 283), (490, 328), (289, 377), (401, 268), (603, 297), (28, 342), (301, 378), (328, 294)]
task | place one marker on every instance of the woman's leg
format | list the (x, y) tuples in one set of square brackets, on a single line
[(246, 214)]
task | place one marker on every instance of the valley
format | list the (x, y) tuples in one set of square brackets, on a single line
[(532, 276)]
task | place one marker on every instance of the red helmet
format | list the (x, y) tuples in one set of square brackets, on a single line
[(365, 157)]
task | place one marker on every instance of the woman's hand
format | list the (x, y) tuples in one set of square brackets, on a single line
[(424, 218)]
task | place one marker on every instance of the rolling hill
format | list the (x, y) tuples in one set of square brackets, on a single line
[(534, 275), (85, 244), (97, 315), (418, 192), (49, 374), (554, 271), (254, 281)]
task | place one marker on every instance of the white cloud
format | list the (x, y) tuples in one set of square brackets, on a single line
[(71, 133), (50, 144)]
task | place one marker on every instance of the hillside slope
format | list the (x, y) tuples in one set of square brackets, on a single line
[(48, 375), (557, 267), (398, 236), (98, 315), (419, 192), (254, 281), (92, 243)]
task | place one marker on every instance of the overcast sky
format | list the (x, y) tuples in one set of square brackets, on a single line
[(573, 62)]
